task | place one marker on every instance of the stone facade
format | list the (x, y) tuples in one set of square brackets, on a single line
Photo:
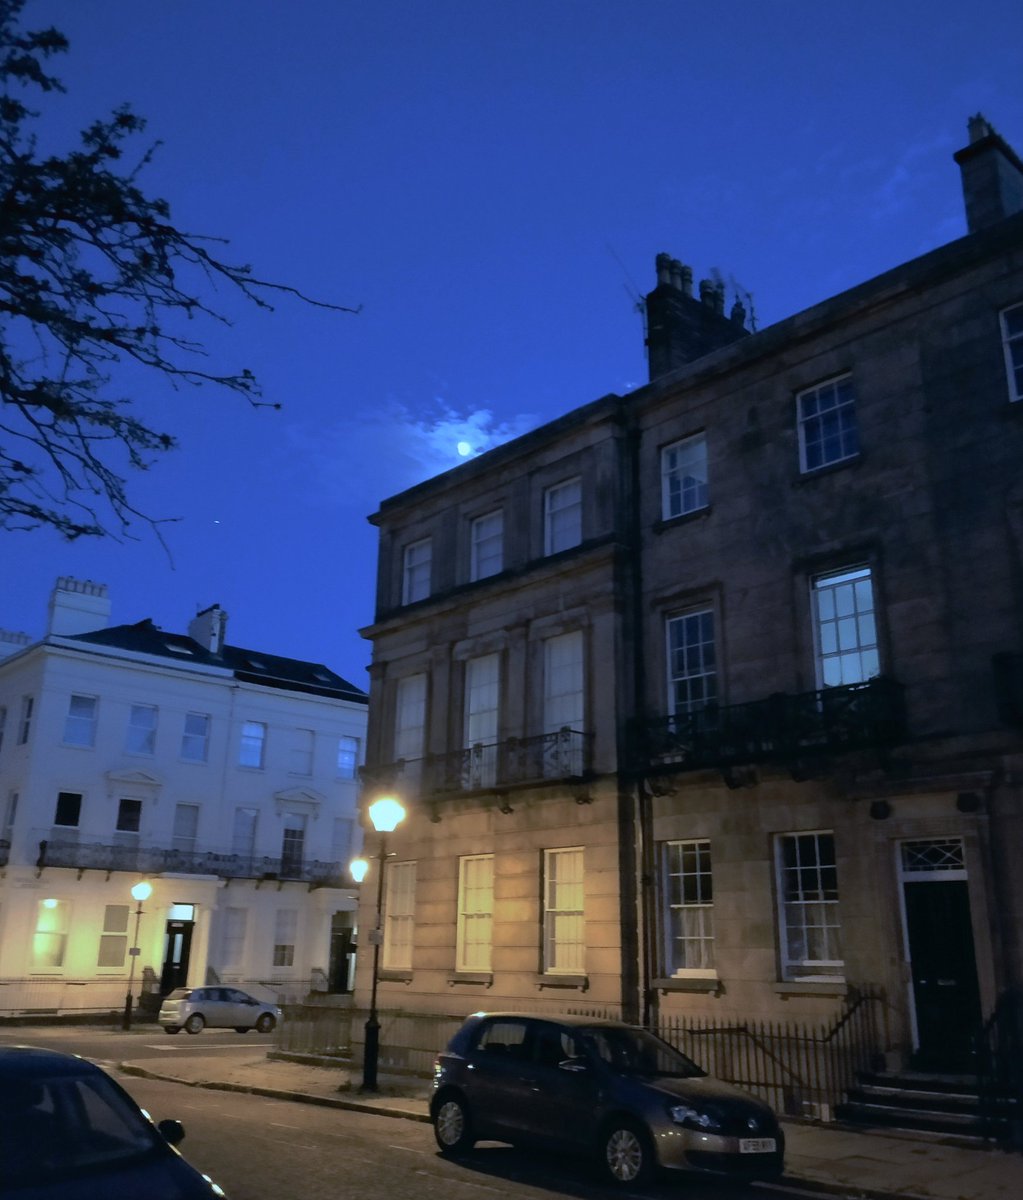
[(796, 583)]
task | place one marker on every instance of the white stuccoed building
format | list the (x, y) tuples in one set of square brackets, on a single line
[(227, 778)]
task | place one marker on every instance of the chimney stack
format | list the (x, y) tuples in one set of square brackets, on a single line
[(992, 176), (209, 628), (682, 328), (77, 606)]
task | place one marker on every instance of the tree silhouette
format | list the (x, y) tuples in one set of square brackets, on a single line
[(94, 277)]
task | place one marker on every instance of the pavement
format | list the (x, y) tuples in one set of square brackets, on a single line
[(819, 1158)]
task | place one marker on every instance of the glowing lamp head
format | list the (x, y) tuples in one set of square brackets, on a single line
[(358, 868), (142, 891), (386, 814)]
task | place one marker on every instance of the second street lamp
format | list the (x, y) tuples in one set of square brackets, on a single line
[(141, 891), (386, 814)]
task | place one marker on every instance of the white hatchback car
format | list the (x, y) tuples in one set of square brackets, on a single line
[(192, 1009)]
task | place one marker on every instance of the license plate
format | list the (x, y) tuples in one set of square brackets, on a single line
[(756, 1146)]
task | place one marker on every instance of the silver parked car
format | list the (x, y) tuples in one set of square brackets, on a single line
[(603, 1089), (192, 1009)]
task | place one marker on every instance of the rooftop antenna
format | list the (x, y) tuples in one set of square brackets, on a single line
[(747, 299), (631, 290)]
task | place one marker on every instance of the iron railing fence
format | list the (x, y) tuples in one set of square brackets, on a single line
[(63, 851), (51, 997), (999, 1055), (561, 756), (778, 728), (800, 1070)]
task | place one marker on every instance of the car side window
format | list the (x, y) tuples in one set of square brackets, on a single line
[(553, 1045), (506, 1039)]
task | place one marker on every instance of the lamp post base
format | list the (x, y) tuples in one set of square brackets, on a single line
[(126, 1020), (371, 1055)]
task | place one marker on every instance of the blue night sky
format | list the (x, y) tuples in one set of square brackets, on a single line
[(491, 182)]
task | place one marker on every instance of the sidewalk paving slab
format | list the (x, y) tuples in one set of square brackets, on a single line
[(819, 1158)]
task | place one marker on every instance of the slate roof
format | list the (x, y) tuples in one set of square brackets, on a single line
[(252, 666)]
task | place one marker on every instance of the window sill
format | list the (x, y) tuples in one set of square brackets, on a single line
[(394, 976), (688, 983), (580, 982), (697, 514), (809, 987), (479, 979), (807, 476)]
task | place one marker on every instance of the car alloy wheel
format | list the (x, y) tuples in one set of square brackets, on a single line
[(195, 1024), (626, 1153), (265, 1023), (452, 1127)]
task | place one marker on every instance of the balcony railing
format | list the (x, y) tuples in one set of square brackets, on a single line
[(148, 860), (779, 728), (548, 758)]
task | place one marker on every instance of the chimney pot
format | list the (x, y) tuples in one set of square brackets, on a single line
[(663, 269)]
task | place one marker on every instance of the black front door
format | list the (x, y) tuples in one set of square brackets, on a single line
[(177, 943), (944, 973)]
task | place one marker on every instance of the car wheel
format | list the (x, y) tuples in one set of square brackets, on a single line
[(265, 1023), (172, 1028), (242, 1028), (626, 1153), (452, 1126), (195, 1024)]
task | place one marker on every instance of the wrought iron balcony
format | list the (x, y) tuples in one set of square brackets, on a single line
[(149, 860), (778, 728), (563, 756)]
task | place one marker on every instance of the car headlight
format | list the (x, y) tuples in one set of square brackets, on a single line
[(694, 1118)]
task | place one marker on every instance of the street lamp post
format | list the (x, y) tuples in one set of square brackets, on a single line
[(141, 891), (386, 814)]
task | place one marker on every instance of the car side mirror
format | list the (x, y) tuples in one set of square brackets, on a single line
[(172, 1131)]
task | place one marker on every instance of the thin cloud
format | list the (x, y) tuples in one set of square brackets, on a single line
[(381, 450)]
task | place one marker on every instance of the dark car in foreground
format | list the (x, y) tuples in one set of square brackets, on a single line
[(609, 1091), (69, 1132), (193, 1009)]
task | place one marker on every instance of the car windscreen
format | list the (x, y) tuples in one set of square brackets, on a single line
[(637, 1052), (71, 1125)]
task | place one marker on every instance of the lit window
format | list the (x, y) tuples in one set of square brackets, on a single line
[(475, 912), (347, 757), (1012, 340), (141, 737), (564, 933), (113, 942), (301, 759), (418, 561), (828, 432), (285, 931), (563, 516), (195, 737), (844, 627), (80, 722), (49, 943), (692, 662), (487, 545), (808, 894), (684, 477), (251, 748), (688, 908), (399, 914)]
